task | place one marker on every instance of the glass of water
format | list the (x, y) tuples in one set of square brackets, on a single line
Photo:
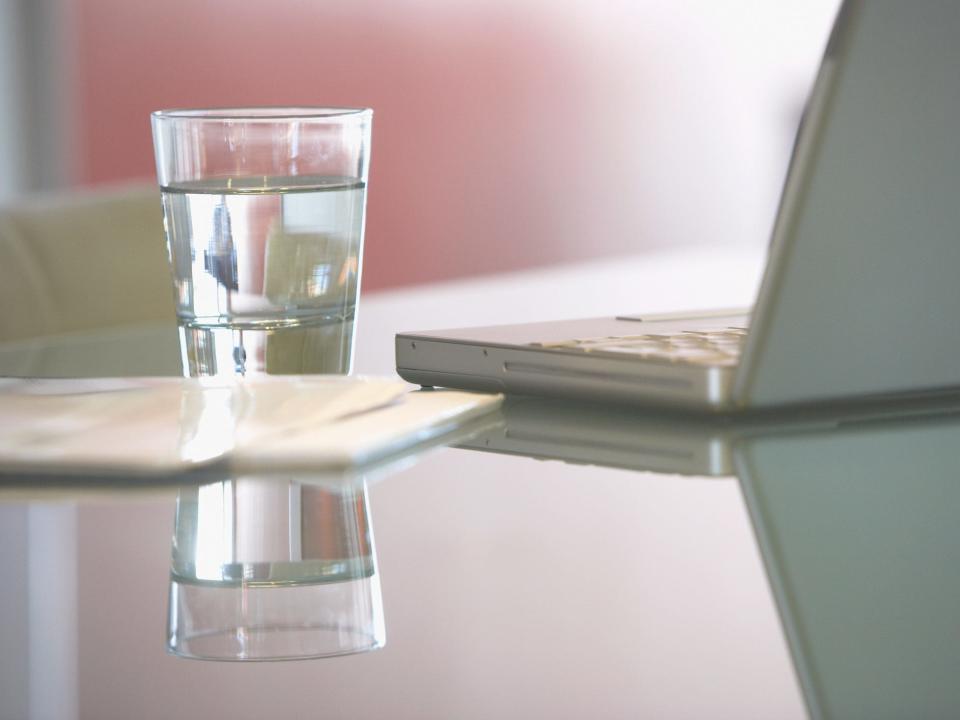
[(264, 214), (268, 568)]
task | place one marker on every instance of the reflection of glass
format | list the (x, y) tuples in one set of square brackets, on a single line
[(271, 569)]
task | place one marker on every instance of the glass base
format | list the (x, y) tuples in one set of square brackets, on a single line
[(263, 622), (299, 349)]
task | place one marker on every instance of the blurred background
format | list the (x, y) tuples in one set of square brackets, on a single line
[(507, 133)]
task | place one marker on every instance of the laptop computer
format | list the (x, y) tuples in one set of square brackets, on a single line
[(860, 292)]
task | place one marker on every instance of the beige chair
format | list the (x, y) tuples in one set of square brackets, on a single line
[(85, 287), (86, 262)]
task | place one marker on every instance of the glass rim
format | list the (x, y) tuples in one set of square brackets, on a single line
[(261, 112)]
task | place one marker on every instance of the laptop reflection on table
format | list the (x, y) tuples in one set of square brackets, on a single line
[(855, 516)]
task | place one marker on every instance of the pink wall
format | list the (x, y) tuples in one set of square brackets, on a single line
[(506, 134), (459, 102)]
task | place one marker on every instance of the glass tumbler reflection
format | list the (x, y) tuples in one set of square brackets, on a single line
[(273, 569), (264, 219)]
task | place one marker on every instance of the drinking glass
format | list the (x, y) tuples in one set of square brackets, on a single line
[(264, 217), (265, 568)]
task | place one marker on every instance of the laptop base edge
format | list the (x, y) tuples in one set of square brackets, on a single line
[(529, 371)]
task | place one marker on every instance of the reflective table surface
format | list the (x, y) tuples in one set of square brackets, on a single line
[(562, 561)]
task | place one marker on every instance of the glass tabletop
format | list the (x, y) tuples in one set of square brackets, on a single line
[(558, 561), (564, 561)]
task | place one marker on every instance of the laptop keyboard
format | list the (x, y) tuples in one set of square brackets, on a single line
[(700, 347)]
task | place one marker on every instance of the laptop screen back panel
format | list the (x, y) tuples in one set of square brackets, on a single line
[(862, 295)]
